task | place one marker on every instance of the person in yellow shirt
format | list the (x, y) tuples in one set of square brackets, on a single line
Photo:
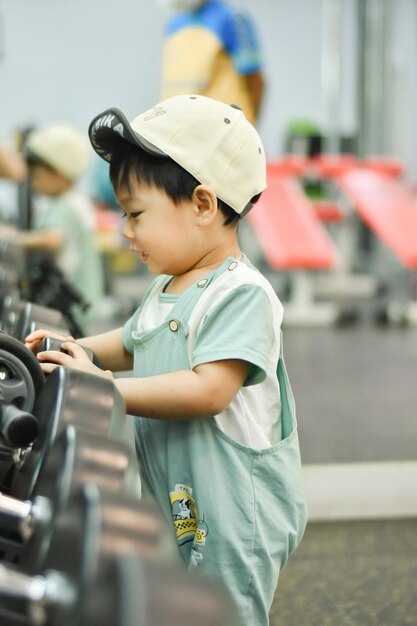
[(212, 49)]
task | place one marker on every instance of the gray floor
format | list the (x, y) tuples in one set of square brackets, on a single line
[(356, 392), (351, 574), (356, 397)]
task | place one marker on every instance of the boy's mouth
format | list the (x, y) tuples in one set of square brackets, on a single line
[(142, 255)]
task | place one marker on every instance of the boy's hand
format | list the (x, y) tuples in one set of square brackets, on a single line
[(74, 356), (34, 340)]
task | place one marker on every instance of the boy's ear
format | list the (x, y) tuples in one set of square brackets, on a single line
[(205, 203)]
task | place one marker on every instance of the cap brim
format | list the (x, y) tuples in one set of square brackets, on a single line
[(109, 128)]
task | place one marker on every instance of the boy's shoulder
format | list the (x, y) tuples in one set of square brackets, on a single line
[(237, 289), (240, 273)]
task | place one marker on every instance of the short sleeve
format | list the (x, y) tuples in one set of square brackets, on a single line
[(241, 40), (240, 326)]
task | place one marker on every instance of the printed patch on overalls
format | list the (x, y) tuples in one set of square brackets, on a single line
[(184, 513)]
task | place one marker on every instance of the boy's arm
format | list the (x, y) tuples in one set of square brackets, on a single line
[(107, 346), (186, 394), (223, 359), (48, 239), (110, 350)]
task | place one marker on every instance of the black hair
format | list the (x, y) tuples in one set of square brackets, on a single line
[(164, 173), (32, 159)]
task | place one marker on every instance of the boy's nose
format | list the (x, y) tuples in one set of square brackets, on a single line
[(126, 231)]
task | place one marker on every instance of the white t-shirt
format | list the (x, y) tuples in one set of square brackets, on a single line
[(238, 316)]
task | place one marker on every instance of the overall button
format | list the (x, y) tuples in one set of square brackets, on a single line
[(232, 266), (174, 325), (203, 282)]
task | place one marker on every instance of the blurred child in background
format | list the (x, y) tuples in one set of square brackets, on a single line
[(64, 223)]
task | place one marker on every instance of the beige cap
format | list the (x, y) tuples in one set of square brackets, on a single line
[(211, 140), (61, 147)]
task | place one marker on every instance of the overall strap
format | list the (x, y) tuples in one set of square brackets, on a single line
[(287, 396), (185, 304)]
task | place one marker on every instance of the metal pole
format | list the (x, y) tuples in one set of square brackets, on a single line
[(361, 77), (331, 71), (372, 26)]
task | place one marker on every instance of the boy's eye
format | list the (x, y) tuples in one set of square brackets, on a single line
[(131, 215)]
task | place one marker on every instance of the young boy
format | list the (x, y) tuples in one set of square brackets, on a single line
[(64, 225), (215, 434)]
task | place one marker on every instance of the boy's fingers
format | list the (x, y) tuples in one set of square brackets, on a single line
[(74, 349), (70, 347), (47, 368), (38, 335), (52, 356)]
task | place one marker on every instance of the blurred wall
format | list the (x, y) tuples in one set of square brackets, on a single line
[(70, 59)]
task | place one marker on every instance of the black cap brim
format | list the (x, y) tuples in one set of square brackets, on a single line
[(110, 127)]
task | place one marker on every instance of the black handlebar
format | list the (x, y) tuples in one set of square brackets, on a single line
[(17, 428)]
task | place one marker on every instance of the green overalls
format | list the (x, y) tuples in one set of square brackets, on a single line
[(237, 513)]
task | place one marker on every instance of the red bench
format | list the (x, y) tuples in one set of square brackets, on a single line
[(294, 240), (291, 234), (387, 207)]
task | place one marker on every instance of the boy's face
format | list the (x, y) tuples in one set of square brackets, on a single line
[(46, 181), (163, 234)]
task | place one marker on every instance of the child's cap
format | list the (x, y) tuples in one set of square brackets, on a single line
[(211, 140), (61, 147)]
